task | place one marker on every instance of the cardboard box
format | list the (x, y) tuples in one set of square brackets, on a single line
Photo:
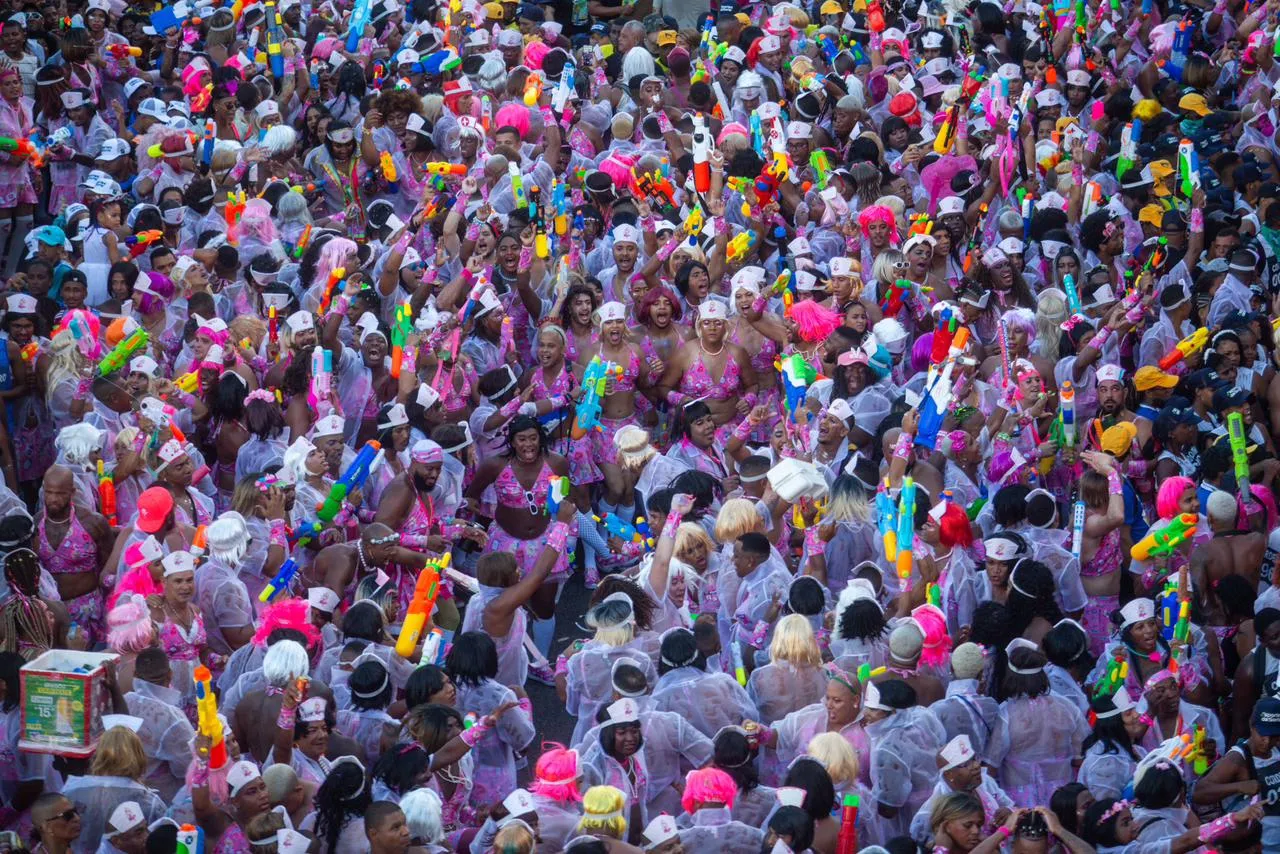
[(64, 696)]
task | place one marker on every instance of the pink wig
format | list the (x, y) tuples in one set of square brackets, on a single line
[(324, 48), (1170, 494), (618, 168), (534, 54), (161, 287), (216, 336), (255, 221), (514, 115), (815, 321), (287, 614), (879, 213), (708, 786), (556, 775), (332, 256), (1001, 464), (1268, 501), (954, 528), (137, 580), (937, 643), (129, 626), (89, 325)]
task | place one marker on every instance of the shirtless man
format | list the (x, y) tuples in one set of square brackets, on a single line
[(340, 565), (1229, 552)]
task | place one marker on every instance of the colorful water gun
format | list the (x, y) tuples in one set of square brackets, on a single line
[(1163, 540), (231, 213), (190, 840), (560, 207), (887, 520), (336, 275), (1073, 302), (321, 379), (400, 333), (107, 494), (1186, 348), (423, 603), (1067, 414), (866, 673), (533, 89), (949, 344), (30, 352), (517, 186), (739, 666), (1239, 454), (22, 147), (642, 525), (615, 526), (188, 382), (895, 297), (275, 40), (1181, 49), (207, 716), (586, 416), (389, 174), (123, 352), (1188, 168), (283, 578), (906, 531), (847, 840), (701, 155), (210, 140), (541, 248), (797, 376), (820, 163), (1117, 672), (273, 325), (875, 17), (452, 170), (975, 238), (1194, 751), (139, 242), (757, 134), (124, 51), (557, 491), (352, 479), (740, 245), (1128, 148)]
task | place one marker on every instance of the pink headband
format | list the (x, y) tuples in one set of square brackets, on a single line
[(260, 394), (1156, 678)]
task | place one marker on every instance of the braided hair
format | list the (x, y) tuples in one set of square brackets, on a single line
[(25, 619)]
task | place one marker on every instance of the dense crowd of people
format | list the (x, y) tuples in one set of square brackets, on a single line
[(891, 387)]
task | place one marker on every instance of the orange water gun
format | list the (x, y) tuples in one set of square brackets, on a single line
[(107, 494)]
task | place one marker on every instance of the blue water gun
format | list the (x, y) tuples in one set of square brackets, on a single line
[(829, 48), (757, 133), (624, 531), (352, 479), (887, 520), (280, 583), (359, 18), (1181, 49), (557, 491), (275, 40), (642, 525), (587, 412)]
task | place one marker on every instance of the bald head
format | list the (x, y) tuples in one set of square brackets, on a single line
[(59, 487)]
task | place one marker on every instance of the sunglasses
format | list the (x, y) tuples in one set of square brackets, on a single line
[(67, 815)]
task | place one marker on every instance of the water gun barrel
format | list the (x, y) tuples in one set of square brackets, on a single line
[(280, 581), (423, 603), (1163, 540), (847, 840), (1185, 348), (442, 168), (207, 716), (739, 668)]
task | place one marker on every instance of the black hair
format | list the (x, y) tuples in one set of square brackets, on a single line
[(795, 824), (342, 797), (679, 649), (820, 794), (588, 845), (1161, 786), (659, 501), (1237, 596), (423, 683), (685, 271), (1108, 731), (733, 755), (1010, 504), (1216, 459), (371, 686), (472, 659), (163, 840), (629, 679), (1067, 646), (378, 812), (521, 423), (1063, 804), (1025, 684), (262, 418), (363, 620), (226, 401), (401, 767), (1036, 580), (689, 413), (607, 728), (642, 604), (703, 487), (755, 543), (806, 596), (896, 694), (862, 620)]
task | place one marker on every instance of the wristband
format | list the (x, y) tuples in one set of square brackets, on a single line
[(673, 522), (278, 535), (751, 398), (902, 448), (83, 387), (1092, 141), (759, 304), (526, 256), (414, 541), (525, 705), (1004, 831), (1099, 340), (813, 543), (557, 536), (237, 171), (510, 408), (342, 303), (1114, 487), (1217, 828), (664, 123), (286, 717), (674, 398), (199, 773), (1197, 220), (475, 733), (743, 430), (548, 117)]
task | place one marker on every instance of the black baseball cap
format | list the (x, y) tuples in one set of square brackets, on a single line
[(1266, 716)]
